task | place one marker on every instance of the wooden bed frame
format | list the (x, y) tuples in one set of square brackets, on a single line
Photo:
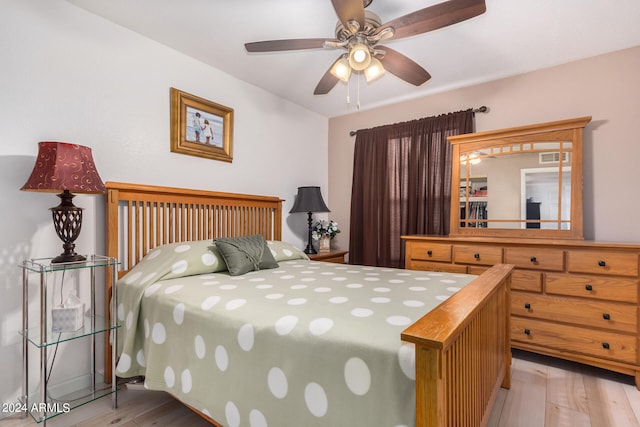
[(462, 346)]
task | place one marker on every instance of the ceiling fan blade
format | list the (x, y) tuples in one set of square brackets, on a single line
[(291, 44), (327, 82), (349, 10), (403, 67), (433, 17)]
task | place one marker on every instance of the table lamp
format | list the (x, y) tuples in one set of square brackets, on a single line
[(309, 199), (65, 167)]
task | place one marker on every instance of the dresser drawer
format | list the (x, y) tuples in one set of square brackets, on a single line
[(598, 314), (427, 251), (613, 263), (436, 266), (605, 288), (477, 254), (535, 258), (526, 280), (564, 338)]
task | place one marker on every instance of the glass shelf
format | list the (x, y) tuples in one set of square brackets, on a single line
[(58, 405), (44, 265), (33, 334)]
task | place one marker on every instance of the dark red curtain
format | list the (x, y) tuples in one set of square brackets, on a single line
[(401, 185)]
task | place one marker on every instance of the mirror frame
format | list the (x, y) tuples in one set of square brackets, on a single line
[(565, 130)]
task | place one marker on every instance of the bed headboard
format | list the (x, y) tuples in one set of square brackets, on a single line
[(141, 217)]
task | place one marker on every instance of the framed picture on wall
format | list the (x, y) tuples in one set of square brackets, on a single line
[(200, 127)]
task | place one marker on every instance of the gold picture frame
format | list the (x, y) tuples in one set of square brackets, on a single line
[(200, 127)]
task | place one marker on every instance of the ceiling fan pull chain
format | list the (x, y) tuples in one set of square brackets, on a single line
[(358, 102), (348, 91)]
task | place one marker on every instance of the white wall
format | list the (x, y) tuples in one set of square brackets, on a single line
[(70, 76)]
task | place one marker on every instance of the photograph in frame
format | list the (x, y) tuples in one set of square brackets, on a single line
[(200, 127)]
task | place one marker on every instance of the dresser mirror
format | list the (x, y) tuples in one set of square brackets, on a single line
[(519, 182)]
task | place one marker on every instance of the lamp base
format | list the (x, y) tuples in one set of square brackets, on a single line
[(310, 249), (67, 220), (65, 257)]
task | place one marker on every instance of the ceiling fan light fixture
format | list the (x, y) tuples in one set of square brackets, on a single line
[(374, 70), (359, 57), (341, 69)]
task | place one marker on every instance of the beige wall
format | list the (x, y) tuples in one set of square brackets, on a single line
[(605, 87)]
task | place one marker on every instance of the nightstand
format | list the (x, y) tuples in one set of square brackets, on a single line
[(333, 256), (75, 323)]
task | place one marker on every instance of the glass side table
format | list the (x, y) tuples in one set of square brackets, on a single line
[(41, 337)]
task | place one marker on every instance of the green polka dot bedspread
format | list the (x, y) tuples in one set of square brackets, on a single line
[(305, 344)]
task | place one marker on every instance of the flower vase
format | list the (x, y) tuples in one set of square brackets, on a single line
[(325, 244)]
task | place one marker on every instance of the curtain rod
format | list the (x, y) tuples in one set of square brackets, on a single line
[(482, 109)]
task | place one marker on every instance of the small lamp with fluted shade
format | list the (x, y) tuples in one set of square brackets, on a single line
[(64, 167)]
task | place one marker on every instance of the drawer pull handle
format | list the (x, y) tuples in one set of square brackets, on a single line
[(534, 259), (527, 332), (476, 256), (429, 252), (527, 306), (605, 345), (602, 263), (589, 287), (606, 316)]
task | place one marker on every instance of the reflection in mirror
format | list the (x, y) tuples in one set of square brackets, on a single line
[(517, 174), (519, 182), (540, 200)]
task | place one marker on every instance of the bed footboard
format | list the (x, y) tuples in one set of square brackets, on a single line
[(463, 354)]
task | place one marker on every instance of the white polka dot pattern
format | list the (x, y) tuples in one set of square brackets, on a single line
[(169, 377), (200, 347), (278, 383), (140, 358), (159, 335), (320, 326), (245, 337), (124, 364), (232, 414), (265, 341), (357, 376), (222, 358), (316, 399), (185, 378)]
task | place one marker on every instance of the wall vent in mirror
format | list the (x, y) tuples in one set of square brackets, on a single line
[(554, 157)]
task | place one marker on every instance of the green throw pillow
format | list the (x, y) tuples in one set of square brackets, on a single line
[(245, 254)]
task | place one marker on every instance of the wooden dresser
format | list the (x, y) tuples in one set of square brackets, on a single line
[(577, 300)]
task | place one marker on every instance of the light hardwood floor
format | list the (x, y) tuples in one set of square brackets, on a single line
[(545, 392)]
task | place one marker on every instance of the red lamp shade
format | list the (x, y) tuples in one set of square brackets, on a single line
[(62, 166), (65, 167)]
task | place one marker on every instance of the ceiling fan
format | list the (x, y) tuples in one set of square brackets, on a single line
[(359, 31)]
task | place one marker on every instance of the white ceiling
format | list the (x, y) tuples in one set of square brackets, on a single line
[(511, 37)]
